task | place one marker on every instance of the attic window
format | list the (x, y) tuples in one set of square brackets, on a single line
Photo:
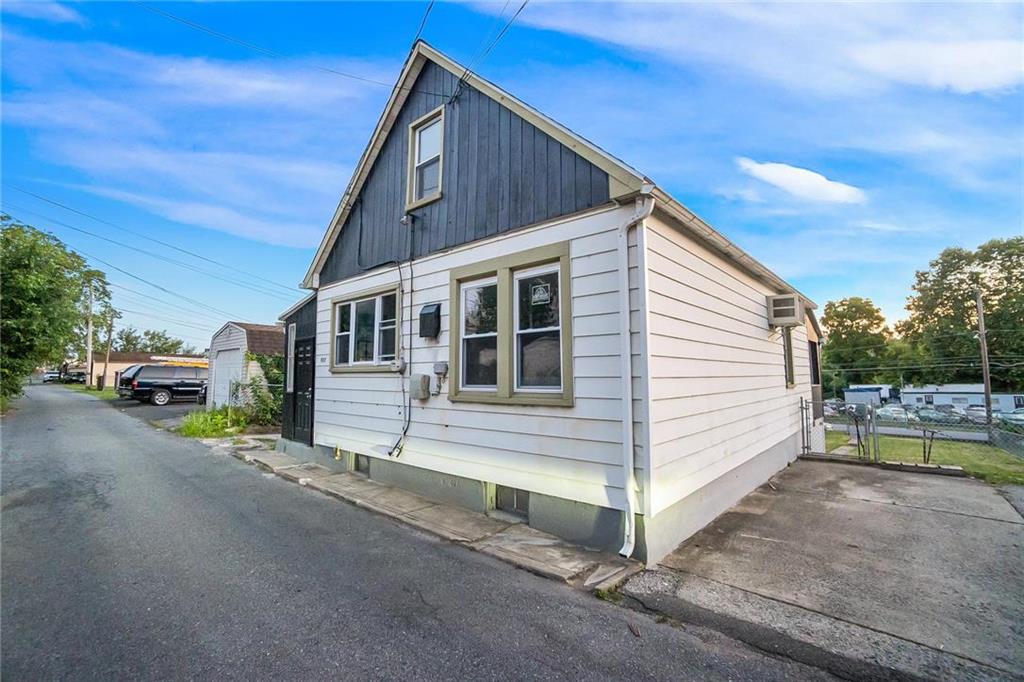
[(426, 142)]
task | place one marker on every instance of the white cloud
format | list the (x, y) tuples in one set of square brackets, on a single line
[(853, 49), (802, 183), (960, 66), (254, 148), (47, 11)]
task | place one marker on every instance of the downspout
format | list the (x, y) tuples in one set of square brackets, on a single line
[(643, 210)]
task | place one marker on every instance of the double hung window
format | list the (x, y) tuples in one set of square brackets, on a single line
[(426, 144), (511, 341), (365, 331)]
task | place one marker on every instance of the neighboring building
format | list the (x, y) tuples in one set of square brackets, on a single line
[(874, 394), (961, 395), (229, 362), (507, 317), (120, 361)]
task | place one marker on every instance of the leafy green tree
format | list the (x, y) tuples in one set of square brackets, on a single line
[(131, 340), (159, 341), (40, 301), (128, 340), (856, 341), (943, 315)]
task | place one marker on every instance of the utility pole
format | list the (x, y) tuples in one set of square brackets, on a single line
[(984, 358), (88, 339), (110, 342)]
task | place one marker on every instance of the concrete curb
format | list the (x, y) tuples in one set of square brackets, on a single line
[(910, 467), (514, 543), (842, 648)]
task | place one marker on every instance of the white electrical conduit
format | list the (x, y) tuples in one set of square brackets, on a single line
[(643, 210)]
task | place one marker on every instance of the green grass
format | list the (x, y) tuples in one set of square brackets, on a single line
[(212, 424), (833, 439), (980, 460), (5, 402), (106, 394)]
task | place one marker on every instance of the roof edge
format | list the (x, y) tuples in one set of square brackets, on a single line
[(305, 299), (711, 237), (623, 179)]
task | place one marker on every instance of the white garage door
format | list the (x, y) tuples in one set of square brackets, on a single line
[(227, 367)]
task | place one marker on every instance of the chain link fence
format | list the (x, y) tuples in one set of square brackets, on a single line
[(259, 402), (894, 432)]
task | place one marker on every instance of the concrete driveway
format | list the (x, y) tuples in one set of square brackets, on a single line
[(919, 573)]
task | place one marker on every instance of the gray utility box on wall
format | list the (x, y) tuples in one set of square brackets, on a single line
[(419, 386)]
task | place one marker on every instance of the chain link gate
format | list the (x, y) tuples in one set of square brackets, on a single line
[(839, 430)]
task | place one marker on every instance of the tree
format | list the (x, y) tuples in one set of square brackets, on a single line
[(39, 303), (943, 316), (103, 313), (856, 338), (130, 340), (159, 341)]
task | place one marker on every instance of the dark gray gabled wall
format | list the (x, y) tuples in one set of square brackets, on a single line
[(499, 173)]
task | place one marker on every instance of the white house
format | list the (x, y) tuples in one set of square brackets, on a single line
[(508, 317), (228, 357)]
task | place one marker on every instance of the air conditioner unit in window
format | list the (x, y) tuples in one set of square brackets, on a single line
[(786, 310)]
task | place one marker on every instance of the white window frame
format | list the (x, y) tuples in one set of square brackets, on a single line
[(415, 127), (289, 380), (378, 309), (463, 336), (516, 331)]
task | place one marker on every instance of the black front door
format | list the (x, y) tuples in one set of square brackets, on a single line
[(304, 368)]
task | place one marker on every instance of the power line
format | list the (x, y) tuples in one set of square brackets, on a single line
[(165, 319), (157, 286), (503, 31), (268, 52), (423, 22), (172, 261), (161, 301), (479, 60), (152, 239)]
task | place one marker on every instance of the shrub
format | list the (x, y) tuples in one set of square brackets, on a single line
[(214, 423)]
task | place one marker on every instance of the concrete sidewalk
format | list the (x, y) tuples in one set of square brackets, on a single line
[(862, 571), (503, 538)]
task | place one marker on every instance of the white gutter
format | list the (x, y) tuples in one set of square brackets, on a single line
[(643, 210)]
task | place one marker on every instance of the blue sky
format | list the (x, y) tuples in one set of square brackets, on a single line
[(844, 145)]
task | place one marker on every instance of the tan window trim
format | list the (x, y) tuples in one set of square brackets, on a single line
[(355, 296), (410, 185), (502, 268)]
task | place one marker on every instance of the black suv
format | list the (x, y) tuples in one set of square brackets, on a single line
[(160, 384)]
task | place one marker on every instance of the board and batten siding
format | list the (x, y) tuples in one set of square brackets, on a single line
[(499, 173), (569, 452), (718, 394)]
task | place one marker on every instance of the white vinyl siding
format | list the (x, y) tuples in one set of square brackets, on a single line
[(569, 452), (717, 373)]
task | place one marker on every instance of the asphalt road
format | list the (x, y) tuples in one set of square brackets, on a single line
[(133, 553)]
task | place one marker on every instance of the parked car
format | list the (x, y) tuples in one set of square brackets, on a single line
[(160, 384), (50, 377), (976, 414), (892, 413), (951, 409), (933, 416), (1015, 417), (73, 378)]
